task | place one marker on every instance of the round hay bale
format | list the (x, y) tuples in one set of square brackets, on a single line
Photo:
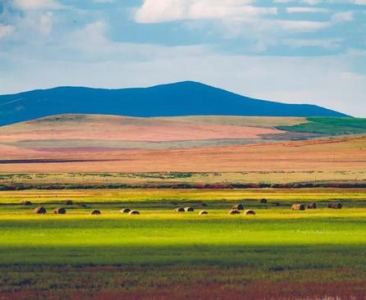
[(263, 201), (203, 212), (69, 202), (125, 210), (234, 212), (249, 212), (311, 205), (335, 205), (134, 212), (179, 209), (40, 210), (298, 207), (238, 207), (25, 202), (96, 212), (59, 211), (187, 209)]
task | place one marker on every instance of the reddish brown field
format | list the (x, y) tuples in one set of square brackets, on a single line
[(116, 128), (341, 154), (60, 144)]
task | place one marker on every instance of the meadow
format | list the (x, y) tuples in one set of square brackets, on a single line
[(155, 165), (160, 254)]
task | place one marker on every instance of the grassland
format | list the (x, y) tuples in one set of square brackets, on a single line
[(114, 144), (18, 181), (276, 254), (328, 155), (329, 126)]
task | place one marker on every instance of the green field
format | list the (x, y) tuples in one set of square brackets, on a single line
[(329, 126), (276, 254)]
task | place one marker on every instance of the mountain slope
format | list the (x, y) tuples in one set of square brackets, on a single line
[(178, 99)]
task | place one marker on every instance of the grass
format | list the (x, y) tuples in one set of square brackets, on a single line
[(194, 179), (276, 253), (329, 126)]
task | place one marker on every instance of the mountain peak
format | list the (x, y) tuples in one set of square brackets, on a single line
[(174, 99)]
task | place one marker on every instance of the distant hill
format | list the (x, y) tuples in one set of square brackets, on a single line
[(177, 99), (253, 145)]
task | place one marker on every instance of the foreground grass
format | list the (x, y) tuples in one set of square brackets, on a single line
[(276, 253)]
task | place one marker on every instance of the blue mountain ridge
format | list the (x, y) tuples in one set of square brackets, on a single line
[(176, 99)]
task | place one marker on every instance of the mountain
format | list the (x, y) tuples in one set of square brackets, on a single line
[(176, 99)]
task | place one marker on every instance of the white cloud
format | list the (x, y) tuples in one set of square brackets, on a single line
[(316, 2), (310, 2), (34, 24), (306, 10), (330, 44), (46, 23), (346, 16), (155, 11), (92, 44), (303, 26), (6, 30), (37, 4), (358, 2)]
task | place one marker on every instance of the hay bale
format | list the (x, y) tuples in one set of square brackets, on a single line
[(249, 212), (134, 212), (234, 212), (59, 211), (311, 205), (203, 212), (187, 209), (40, 210), (334, 205), (179, 209), (96, 212), (25, 202), (125, 210), (263, 201), (238, 207), (69, 202), (298, 207)]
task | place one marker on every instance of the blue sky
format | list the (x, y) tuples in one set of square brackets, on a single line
[(293, 51)]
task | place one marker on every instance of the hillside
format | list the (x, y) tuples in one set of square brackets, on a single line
[(108, 132), (178, 99), (100, 150), (100, 143)]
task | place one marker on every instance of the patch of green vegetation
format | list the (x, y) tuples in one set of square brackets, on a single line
[(329, 126)]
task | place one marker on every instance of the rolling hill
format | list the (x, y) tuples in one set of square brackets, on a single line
[(178, 99), (203, 140), (105, 150)]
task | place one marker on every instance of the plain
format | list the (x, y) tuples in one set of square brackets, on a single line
[(276, 253)]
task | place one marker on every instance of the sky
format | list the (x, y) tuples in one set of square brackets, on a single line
[(291, 51)]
